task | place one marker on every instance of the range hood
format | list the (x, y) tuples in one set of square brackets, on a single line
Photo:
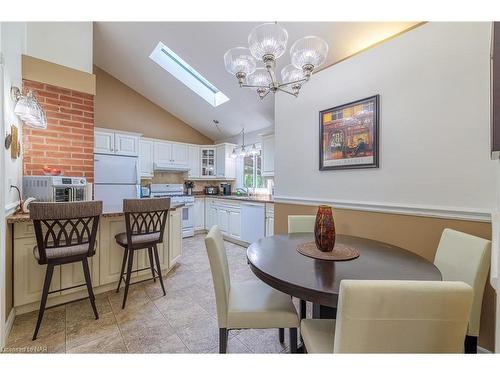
[(170, 167)]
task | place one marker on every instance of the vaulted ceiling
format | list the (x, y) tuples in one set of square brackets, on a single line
[(123, 48)]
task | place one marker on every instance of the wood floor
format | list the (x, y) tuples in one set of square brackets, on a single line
[(183, 321)]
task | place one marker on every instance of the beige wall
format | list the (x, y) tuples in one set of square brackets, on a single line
[(119, 107), (415, 233)]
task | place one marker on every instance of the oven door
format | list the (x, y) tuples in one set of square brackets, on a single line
[(62, 194), (78, 194), (188, 220)]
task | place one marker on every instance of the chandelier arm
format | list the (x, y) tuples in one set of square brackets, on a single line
[(292, 82), (255, 87), (263, 96), (288, 92)]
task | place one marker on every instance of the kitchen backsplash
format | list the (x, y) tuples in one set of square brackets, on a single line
[(68, 141), (179, 178)]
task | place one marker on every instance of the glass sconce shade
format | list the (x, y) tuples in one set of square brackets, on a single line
[(267, 39), (30, 112), (309, 50), (291, 74), (239, 60)]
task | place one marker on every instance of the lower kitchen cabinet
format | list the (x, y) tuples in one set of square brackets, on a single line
[(105, 264), (269, 219), (235, 224)]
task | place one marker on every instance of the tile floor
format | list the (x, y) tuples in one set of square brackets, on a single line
[(183, 321)]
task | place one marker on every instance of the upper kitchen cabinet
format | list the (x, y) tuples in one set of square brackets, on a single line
[(146, 157), (170, 156), (225, 165), (268, 155), (207, 155), (194, 161), (116, 143)]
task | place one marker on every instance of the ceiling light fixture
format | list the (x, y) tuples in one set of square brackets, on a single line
[(267, 42), (28, 109)]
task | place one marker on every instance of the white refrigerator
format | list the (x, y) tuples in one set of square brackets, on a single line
[(115, 178)]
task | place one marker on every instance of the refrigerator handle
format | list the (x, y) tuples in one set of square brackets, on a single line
[(138, 175)]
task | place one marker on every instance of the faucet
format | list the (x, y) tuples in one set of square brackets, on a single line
[(244, 190)]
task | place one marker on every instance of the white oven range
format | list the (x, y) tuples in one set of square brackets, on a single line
[(176, 194)]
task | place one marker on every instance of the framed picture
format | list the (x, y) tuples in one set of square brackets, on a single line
[(349, 135)]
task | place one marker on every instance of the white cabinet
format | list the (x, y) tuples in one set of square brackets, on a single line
[(104, 142), (194, 161), (225, 165), (174, 236), (268, 155), (146, 157), (199, 213), (207, 155), (167, 154), (235, 223), (126, 144), (115, 143), (269, 219)]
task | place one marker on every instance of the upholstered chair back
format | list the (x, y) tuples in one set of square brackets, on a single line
[(463, 257), (388, 316), (301, 223), (220, 272), (145, 218), (65, 226)]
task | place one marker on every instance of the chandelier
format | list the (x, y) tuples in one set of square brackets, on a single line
[(267, 42)]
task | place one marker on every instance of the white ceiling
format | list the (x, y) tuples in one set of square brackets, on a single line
[(122, 49)]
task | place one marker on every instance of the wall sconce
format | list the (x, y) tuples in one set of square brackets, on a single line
[(28, 109)]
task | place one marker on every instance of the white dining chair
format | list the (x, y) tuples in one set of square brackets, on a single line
[(464, 257), (248, 304), (392, 316)]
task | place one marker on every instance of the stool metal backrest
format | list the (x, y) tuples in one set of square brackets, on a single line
[(61, 225), (145, 217)]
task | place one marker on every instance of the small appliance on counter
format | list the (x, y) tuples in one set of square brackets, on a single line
[(225, 188), (189, 187), (145, 191), (55, 188), (211, 190)]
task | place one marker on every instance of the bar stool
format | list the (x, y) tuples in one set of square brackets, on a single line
[(145, 223), (65, 233)]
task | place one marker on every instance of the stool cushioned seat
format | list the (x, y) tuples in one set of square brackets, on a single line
[(121, 238), (253, 304), (61, 252), (318, 335)]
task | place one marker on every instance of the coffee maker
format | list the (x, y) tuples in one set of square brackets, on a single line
[(225, 188)]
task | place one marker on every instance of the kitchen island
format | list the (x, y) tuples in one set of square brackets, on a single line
[(105, 265)]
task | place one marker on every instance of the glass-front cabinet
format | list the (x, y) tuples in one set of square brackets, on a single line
[(208, 162)]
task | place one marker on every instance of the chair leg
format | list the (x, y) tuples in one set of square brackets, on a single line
[(129, 273), (46, 286), (303, 309), (124, 261), (151, 263), (158, 267), (293, 340), (470, 345), (282, 335), (88, 281), (222, 340)]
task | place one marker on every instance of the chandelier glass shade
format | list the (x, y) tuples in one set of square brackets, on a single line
[(268, 42)]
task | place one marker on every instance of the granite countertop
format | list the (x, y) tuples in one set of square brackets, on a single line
[(254, 198), (22, 217)]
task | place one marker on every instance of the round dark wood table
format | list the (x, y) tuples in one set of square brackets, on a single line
[(276, 262)]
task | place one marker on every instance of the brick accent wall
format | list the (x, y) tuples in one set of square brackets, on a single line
[(68, 141)]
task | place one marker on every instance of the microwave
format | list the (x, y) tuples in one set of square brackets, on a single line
[(55, 188)]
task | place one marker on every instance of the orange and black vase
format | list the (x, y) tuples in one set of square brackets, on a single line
[(324, 229)]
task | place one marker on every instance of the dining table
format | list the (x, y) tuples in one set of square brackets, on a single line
[(276, 261)]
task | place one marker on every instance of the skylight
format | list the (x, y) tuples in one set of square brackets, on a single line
[(172, 63)]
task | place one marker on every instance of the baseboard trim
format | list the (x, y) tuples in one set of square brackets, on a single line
[(8, 325), (481, 350), (457, 213)]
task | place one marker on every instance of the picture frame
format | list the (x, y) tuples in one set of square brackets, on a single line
[(349, 135)]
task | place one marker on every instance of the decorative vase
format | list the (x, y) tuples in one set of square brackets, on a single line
[(324, 229)]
